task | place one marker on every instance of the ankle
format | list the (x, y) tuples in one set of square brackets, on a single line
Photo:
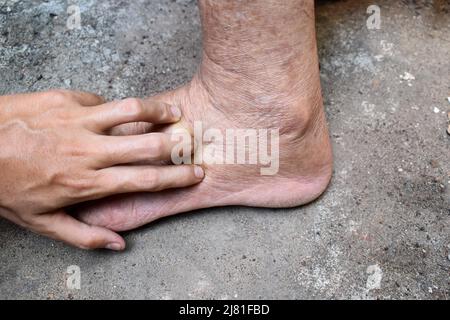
[(281, 99)]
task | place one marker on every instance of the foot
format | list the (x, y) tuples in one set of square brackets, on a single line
[(305, 157), (256, 73)]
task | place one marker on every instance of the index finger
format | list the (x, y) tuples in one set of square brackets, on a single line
[(115, 113)]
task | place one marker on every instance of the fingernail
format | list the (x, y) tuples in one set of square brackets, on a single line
[(176, 112), (199, 172), (114, 246)]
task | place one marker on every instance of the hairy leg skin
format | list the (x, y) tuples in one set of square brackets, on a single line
[(260, 71)]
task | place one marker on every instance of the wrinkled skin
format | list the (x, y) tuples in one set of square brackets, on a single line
[(256, 73)]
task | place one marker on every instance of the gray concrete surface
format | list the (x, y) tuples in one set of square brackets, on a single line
[(381, 231)]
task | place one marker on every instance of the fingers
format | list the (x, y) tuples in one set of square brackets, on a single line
[(60, 226), (129, 110), (148, 178), (147, 147)]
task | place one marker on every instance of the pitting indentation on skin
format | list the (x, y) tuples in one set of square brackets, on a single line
[(232, 147)]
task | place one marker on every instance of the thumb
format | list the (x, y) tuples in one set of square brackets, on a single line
[(61, 226)]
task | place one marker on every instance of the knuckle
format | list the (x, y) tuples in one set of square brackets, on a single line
[(94, 186), (58, 96), (42, 227), (132, 107), (73, 150), (97, 156), (63, 117), (90, 242), (76, 186), (80, 185), (93, 96), (152, 180), (157, 147), (165, 111), (28, 221)]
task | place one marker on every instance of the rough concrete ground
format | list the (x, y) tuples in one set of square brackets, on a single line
[(381, 231)]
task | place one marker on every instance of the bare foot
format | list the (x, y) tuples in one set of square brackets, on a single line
[(269, 82)]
